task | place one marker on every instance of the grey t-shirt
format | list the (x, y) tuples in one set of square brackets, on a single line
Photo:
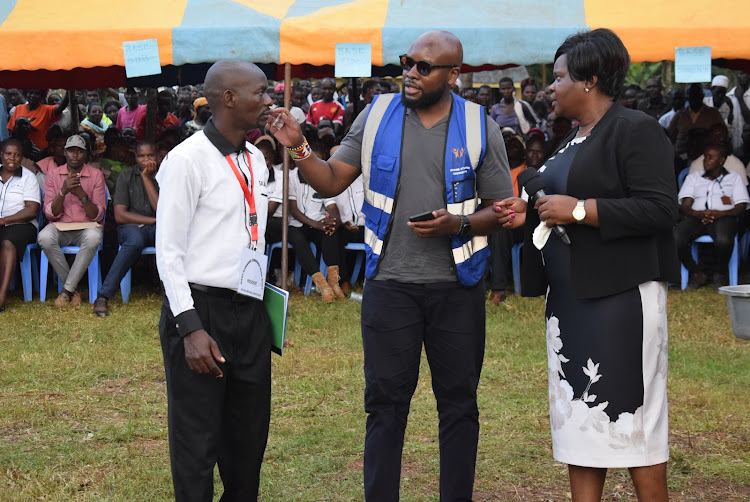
[(131, 192), (405, 256)]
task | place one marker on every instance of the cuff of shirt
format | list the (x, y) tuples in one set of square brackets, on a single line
[(187, 322)]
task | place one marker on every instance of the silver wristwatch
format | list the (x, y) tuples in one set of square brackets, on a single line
[(579, 213)]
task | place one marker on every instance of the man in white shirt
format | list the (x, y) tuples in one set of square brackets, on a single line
[(216, 342), (710, 202), (718, 135)]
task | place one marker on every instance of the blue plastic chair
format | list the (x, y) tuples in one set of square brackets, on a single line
[(352, 246), (94, 270), (515, 256), (734, 260), (358, 261), (297, 266), (125, 282), (681, 177), (745, 246)]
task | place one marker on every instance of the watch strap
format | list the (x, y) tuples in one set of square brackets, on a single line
[(465, 227)]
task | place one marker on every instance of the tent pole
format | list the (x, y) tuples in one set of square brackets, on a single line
[(285, 197)]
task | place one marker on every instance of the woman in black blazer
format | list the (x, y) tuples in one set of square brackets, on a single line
[(611, 186)]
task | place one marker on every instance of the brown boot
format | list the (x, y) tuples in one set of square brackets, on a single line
[(325, 290), (333, 281)]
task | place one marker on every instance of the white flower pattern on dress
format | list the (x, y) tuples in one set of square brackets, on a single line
[(626, 432), (554, 344)]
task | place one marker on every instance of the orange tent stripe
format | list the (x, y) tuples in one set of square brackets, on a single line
[(61, 35), (651, 30), (301, 40)]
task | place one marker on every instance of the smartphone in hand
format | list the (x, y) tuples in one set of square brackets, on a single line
[(427, 215)]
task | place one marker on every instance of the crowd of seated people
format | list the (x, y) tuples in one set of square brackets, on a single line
[(77, 160)]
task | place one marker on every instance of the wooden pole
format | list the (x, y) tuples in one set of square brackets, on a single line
[(285, 197)]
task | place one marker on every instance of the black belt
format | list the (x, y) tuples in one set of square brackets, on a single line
[(221, 293)]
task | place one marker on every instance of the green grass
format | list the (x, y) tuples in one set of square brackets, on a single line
[(83, 407)]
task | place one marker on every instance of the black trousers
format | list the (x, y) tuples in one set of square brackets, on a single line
[(300, 238), (397, 319), (722, 231), (219, 420)]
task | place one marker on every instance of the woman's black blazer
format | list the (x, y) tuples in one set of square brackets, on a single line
[(626, 165)]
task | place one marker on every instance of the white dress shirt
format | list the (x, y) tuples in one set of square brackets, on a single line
[(308, 201), (349, 203), (14, 193), (707, 193), (203, 219)]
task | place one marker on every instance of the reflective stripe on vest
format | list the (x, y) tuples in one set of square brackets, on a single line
[(381, 163)]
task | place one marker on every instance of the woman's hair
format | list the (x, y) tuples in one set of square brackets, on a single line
[(11, 141), (93, 104), (528, 81), (598, 53)]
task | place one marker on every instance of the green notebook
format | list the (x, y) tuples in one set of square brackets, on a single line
[(277, 306)]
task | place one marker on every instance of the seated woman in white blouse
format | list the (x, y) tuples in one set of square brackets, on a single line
[(19, 207)]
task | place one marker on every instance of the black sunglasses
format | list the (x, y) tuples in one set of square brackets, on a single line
[(423, 67)]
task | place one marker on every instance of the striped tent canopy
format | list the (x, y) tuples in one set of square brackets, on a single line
[(79, 44)]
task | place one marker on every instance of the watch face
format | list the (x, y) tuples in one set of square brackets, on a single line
[(579, 213)]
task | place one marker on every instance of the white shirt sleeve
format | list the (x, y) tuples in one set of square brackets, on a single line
[(739, 193), (687, 190), (180, 188), (31, 190)]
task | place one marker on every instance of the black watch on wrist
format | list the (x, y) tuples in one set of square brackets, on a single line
[(465, 227)]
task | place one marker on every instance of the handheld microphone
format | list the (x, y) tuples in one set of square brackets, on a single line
[(530, 180)]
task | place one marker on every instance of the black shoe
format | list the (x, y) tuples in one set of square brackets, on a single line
[(101, 308), (697, 280)]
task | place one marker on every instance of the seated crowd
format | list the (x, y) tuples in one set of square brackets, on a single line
[(91, 173)]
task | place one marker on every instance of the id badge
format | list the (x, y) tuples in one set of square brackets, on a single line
[(726, 200), (252, 274)]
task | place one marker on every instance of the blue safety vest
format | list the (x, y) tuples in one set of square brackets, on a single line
[(381, 165)]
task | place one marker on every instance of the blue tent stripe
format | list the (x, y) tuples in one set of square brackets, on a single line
[(487, 44), (216, 29), (528, 32)]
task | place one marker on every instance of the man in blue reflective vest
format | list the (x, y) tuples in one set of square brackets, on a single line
[(423, 151)]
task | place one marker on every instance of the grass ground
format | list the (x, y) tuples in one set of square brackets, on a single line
[(83, 407)]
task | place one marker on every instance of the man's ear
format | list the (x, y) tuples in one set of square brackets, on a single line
[(453, 75), (228, 97)]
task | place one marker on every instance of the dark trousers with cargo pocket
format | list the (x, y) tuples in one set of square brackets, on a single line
[(397, 320), (225, 420)]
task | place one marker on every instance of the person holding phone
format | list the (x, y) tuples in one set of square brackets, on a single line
[(424, 150)]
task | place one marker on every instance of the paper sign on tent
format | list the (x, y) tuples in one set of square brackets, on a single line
[(141, 58), (353, 60), (692, 64)]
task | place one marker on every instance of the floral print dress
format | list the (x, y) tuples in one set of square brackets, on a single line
[(607, 360)]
